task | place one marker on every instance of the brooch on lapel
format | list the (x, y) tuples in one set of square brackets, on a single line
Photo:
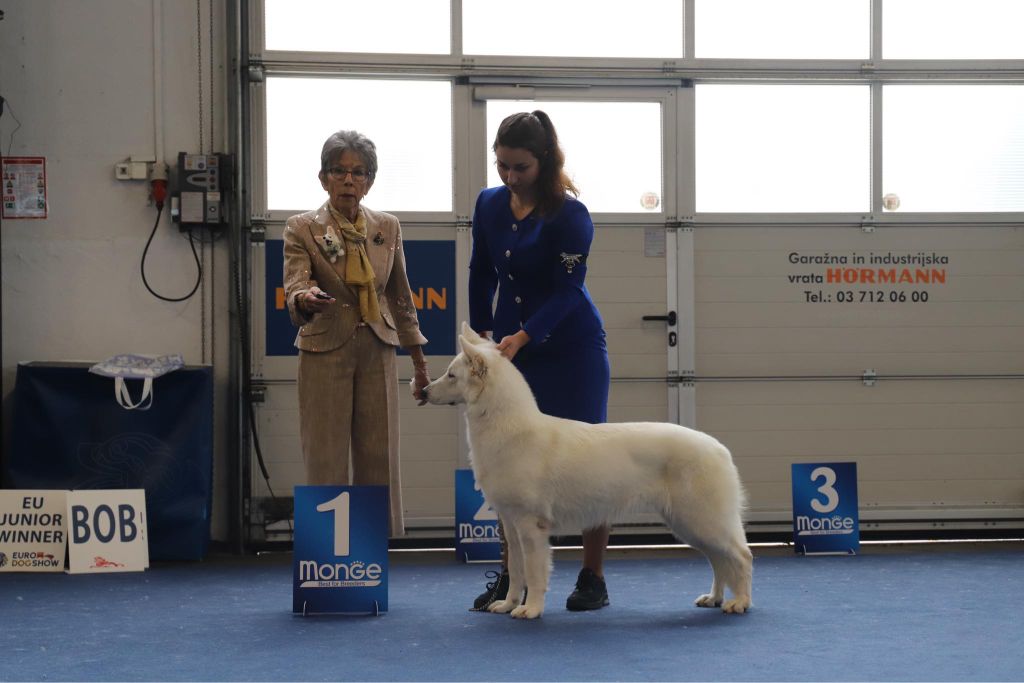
[(378, 239), (330, 243), (570, 261)]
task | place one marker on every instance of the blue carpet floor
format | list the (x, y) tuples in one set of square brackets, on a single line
[(903, 616)]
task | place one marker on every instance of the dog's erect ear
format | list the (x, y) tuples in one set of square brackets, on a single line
[(471, 336), (475, 356)]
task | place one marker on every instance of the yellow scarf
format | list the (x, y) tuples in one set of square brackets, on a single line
[(358, 271)]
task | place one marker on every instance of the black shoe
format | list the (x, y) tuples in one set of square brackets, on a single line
[(496, 590), (591, 592)]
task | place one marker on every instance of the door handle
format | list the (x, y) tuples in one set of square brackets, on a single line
[(670, 318)]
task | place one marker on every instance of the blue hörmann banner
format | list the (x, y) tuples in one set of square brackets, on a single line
[(430, 265)]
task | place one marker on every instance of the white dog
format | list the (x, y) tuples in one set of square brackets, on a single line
[(543, 473)]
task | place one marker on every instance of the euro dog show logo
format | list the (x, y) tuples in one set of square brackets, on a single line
[(31, 559)]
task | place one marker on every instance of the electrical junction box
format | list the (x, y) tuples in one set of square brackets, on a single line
[(200, 190)]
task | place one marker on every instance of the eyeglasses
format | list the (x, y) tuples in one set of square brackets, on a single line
[(338, 173)]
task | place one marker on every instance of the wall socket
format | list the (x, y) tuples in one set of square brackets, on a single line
[(132, 169)]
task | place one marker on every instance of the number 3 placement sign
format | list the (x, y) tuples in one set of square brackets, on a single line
[(825, 508), (340, 563)]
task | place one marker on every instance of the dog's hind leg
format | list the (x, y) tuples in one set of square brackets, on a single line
[(715, 597), (724, 543), (516, 578), (535, 544), (742, 577), (732, 563)]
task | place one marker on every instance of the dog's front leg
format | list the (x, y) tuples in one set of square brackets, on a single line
[(516, 582), (536, 554)]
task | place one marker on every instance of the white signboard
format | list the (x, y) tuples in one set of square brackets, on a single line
[(33, 530), (107, 531)]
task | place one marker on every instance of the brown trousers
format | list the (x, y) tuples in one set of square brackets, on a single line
[(349, 396)]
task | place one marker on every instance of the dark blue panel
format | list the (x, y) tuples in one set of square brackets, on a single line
[(430, 265), (70, 433)]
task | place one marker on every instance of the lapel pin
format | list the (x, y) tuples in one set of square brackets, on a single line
[(378, 239)]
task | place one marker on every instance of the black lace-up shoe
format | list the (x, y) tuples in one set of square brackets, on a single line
[(496, 590), (591, 592)]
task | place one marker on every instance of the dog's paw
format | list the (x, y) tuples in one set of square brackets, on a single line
[(736, 606), (502, 606), (526, 612), (708, 600)]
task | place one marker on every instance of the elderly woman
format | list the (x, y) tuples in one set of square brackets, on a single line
[(347, 290)]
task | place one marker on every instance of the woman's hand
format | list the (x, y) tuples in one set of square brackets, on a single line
[(510, 345), (421, 378), (310, 304)]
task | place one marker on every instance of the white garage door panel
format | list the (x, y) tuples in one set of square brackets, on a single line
[(637, 365), (637, 414), (427, 473), (637, 395), (629, 290), (959, 445), (649, 340), (921, 446), (629, 316), (427, 419), (770, 289), (903, 500), (854, 363), (994, 257), (873, 417), (806, 239), (907, 467), (797, 394), (631, 263), (850, 340), (797, 316), (429, 506)]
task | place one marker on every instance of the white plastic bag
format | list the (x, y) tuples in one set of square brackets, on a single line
[(136, 366)]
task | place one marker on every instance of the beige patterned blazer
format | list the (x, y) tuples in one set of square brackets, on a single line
[(307, 263)]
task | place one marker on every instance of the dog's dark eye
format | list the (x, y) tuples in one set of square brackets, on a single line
[(451, 376)]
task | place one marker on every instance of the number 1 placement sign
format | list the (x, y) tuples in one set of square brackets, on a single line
[(340, 563)]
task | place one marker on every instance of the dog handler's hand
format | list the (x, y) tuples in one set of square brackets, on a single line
[(510, 345), (421, 378)]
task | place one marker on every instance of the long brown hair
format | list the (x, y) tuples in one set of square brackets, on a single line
[(534, 132)]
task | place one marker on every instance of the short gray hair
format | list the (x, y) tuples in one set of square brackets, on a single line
[(345, 140)]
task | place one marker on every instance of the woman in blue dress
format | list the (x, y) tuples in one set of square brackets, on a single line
[(530, 246)]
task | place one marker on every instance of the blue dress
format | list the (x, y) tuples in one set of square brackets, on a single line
[(537, 265)]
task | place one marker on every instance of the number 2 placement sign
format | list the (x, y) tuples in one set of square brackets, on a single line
[(825, 508), (341, 550)]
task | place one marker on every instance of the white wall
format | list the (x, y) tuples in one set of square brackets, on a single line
[(79, 76)]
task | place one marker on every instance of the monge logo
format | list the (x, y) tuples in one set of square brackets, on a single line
[(354, 573), (480, 533), (823, 526)]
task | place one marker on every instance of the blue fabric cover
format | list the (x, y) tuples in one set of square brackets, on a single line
[(69, 433)]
